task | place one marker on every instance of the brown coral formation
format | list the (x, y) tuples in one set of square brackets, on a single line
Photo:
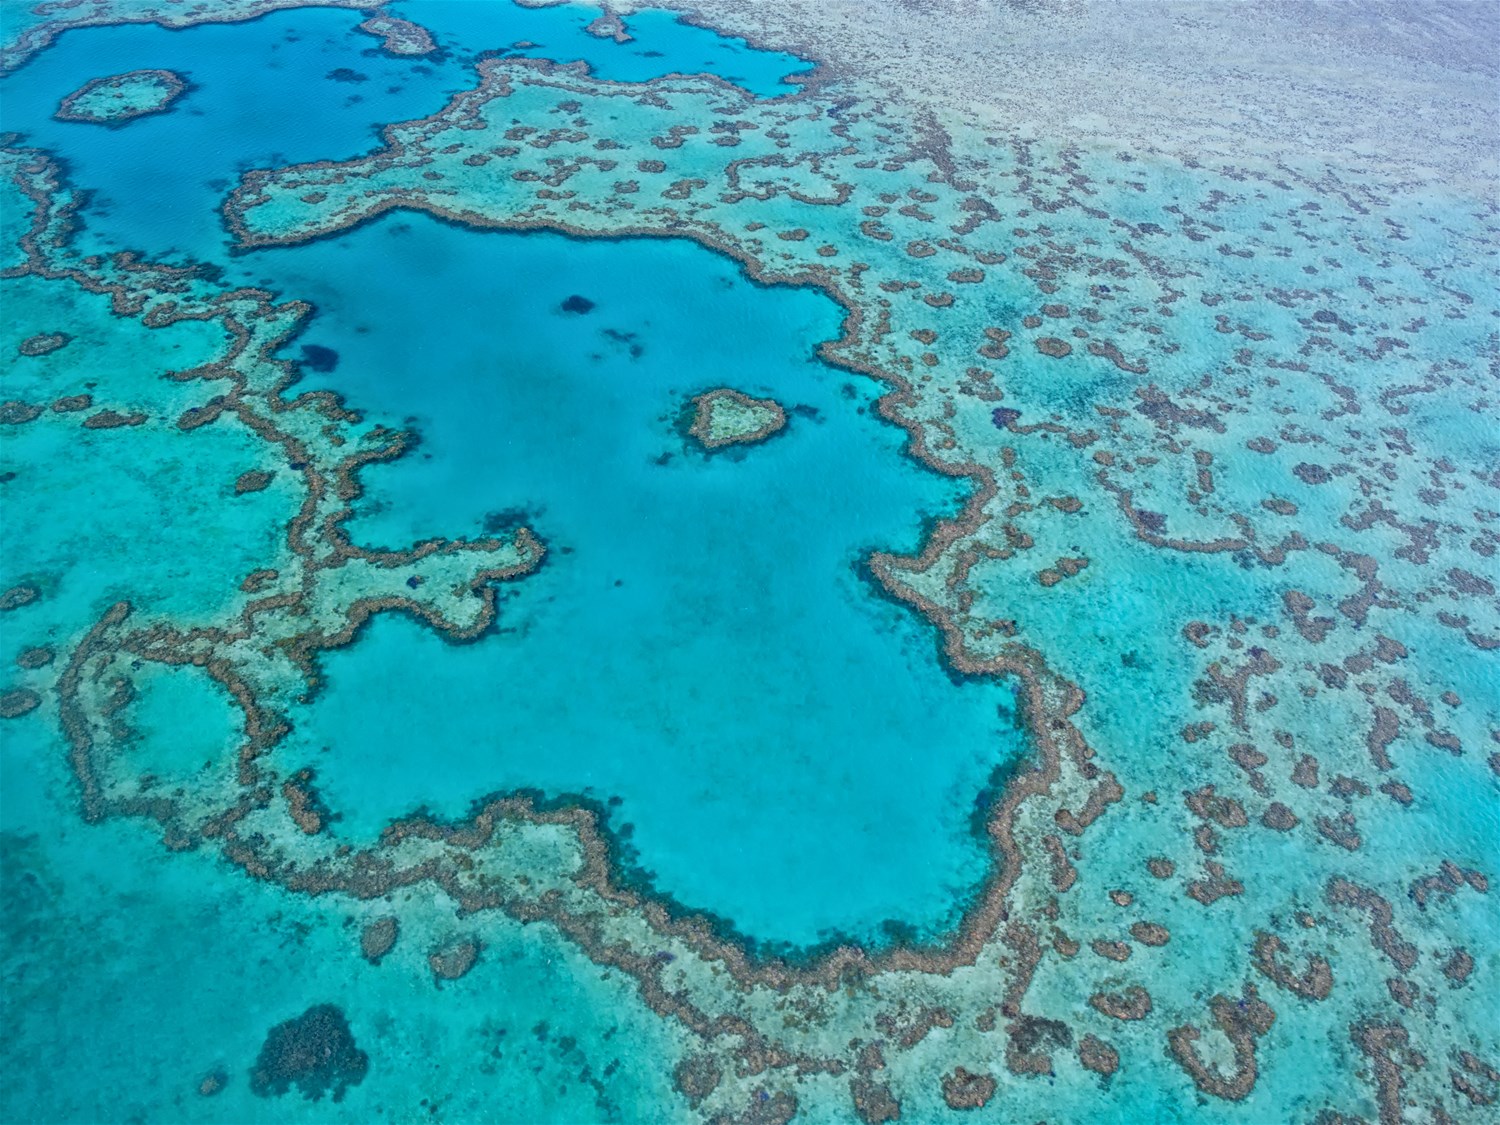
[(1243, 1022), (33, 658), (1387, 1046), (314, 1052), (696, 1077), (19, 595), (14, 412), (873, 1101), (378, 938), (1097, 1055), (1383, 934), (609, 25), (963, 1089), (725, 417), (1214, 885), (452, 961), (213, 1082), (18, 702), (1134, 1003), (113, 420), (1315, 982), (303, 804), (255, 480), (137, 93), (399, 37), (44, 343), (1150, 933)]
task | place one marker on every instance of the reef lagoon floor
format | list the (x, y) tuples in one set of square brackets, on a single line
[(770, 562)]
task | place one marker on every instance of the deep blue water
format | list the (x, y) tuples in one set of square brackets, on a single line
[(303, 85), (701, 646), (701, 654), (700, 643)]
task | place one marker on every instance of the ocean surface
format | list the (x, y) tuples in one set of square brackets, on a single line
[(1082, 707)]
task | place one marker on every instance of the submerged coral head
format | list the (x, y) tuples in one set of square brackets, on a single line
[(314, 1052)]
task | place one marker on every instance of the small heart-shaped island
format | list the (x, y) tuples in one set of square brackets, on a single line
[(724, 416)]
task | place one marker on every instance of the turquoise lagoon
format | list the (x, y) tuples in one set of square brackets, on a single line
[(702, 656), (304, 85), (700, 643), (702, 653), (132, 974)]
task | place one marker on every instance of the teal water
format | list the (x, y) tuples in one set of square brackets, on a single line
[(661, 43), (304, 85), (132, 974), (567, 432), (700, 646), (801, 711), (702, 656)]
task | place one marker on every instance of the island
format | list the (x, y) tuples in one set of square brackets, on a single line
[(399, 37), (724, 416), (121, 98)]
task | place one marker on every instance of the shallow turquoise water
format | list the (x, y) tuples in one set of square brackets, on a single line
[(304, 85), (661, 43), (563, 422), (148, 971), (700, 643), (566, 430), (701, 654)]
